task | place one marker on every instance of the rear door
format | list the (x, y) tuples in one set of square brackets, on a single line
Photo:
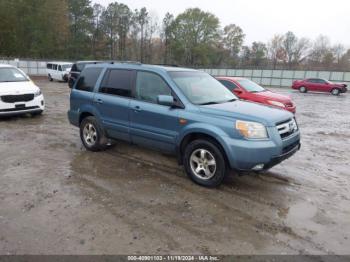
[(83, 93), (113, 100), (151, 124)]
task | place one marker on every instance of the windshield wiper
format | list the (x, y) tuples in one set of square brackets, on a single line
[(231, 100), (209, 103)]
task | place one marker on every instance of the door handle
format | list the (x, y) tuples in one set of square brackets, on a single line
[(137, 109), (99, 101)]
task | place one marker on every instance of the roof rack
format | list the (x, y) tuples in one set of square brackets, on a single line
[(126, 62), (171, 65)]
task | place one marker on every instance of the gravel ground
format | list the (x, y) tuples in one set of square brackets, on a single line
[(57, 198)]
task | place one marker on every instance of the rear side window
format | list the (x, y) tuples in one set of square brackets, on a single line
[(88, 79), (118, 82), (228, 84), (74, 68), (80, 67), (149, 86)]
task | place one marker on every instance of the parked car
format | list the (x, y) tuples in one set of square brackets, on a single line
[(184, 112), (319, 85), (248, 90), (18, 94), (76, 69), (58, 71)]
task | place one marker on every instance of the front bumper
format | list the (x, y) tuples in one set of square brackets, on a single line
[(276, 160), (18, 108), (244, 155)]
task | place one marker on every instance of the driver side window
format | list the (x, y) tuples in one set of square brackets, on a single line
[(149, 86)]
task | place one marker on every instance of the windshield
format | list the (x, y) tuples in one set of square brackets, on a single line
[(201, 88), (9, 74), (250, 86), (65, 67)]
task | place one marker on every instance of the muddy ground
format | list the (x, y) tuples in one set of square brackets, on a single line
[(57, 198)]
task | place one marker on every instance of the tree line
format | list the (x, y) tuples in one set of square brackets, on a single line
[(81, 30)]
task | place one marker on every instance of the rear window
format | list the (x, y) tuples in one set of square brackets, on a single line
[(118, 82), (88, 79)]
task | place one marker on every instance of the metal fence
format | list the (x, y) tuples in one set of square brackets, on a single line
[(30, 67), (282, 78)]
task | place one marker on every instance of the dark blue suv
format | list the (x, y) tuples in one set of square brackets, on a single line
[(184, 112)]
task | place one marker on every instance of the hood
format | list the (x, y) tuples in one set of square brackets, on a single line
[(268, 95), (248, 111), (17, 88), (339, 84)]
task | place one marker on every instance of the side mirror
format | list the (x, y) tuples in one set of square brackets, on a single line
[(165, 100), (237, 91)]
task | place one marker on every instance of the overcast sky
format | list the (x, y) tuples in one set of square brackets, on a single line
[(261, 19)]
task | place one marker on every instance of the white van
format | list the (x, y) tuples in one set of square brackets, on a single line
[(58, 70)]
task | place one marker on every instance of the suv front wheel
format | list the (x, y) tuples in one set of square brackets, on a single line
[(205, 163), (92, 135)]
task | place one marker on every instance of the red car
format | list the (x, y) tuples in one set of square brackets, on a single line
[(319, 85), (248, 90)]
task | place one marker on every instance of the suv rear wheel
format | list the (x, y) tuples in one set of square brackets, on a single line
[(205, 163), (92, 135)]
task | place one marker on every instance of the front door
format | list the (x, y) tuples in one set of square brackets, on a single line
[(153, 125)]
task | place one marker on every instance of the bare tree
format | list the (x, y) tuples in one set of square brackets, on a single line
[(168, 23), (289, 44), (339, 51), (276, 51), (301, 51)]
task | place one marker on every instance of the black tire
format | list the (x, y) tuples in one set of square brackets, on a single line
[(302, 89), (335, 92), (38, 113), (215, 152), (100, 140), (50, 78)]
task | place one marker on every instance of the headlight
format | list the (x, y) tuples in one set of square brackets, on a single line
[(37, 93), (275, 103), (251, 130)]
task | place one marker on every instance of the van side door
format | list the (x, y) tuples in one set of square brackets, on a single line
[(112, 101), (151, 124)]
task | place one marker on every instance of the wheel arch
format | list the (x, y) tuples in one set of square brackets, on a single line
[(195, 135), (84, 115)]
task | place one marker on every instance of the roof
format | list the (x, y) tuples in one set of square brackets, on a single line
[(6, 65), (139, 66), (231, 77), (61, 63)]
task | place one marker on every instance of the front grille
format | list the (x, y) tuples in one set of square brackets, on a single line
[(17, 98), (287, 128), (19, 109)]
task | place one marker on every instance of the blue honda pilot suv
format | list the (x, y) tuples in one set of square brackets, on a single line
[(181, 111)]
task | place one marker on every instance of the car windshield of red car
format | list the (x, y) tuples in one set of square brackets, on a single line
[(250, 86)]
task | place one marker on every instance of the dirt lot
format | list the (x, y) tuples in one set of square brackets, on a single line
[(57, 198)]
